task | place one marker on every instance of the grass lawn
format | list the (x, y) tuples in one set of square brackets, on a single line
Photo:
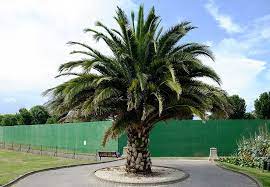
[(263, 177), (14, 164), (183, 158)]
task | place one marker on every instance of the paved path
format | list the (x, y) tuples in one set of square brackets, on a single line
[(202, 174)]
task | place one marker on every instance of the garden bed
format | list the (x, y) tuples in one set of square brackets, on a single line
[(159, 175)]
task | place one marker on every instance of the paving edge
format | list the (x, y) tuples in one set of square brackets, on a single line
[(258, 183), (152, 183), (53, 168)]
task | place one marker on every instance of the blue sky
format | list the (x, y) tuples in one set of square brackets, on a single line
[(34, 33)]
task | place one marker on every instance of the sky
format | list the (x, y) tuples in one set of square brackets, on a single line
[(34, 33)]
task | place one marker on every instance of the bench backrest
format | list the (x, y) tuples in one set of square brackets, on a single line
[(107, 154)]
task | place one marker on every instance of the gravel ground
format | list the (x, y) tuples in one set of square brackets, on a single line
[(159, 175), (202, 174)]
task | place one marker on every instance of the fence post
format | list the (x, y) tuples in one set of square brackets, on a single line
[(55, 153), (12, 146), (28, 148), (20, 147), (96, 155), (74, 154), (4, 145), (40, 149)]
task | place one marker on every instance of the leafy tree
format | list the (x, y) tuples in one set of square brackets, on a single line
[(25, 117), (238, 107), (39, 114), (1, 117), (52, 120), (9, 120), (262, 106), (249, 115), (149, 77), (215, 115)]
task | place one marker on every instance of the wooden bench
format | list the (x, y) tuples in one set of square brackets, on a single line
[(108, 154)]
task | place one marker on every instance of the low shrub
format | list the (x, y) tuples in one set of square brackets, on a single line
[(251, 151)]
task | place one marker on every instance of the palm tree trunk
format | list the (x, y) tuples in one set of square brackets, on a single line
[(138, 156)]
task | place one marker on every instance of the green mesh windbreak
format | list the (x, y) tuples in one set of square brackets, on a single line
[(82, 137), (194, 137), (170, 138), (1, 134)]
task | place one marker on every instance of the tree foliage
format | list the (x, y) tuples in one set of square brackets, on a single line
[(1, 117), (249, 115), (262, 106), (9, 120), (39, 114), (238, 107), (52, 120), (25, 117), (150, 75)]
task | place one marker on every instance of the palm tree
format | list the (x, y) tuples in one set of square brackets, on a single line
[(148, 77)]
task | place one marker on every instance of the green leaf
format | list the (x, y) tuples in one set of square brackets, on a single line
[(105, 94), (175, 86), (142, 80), (147, 110), (171, 69), (160, 102)]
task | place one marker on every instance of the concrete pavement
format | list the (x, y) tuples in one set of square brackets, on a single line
[(202, 174)]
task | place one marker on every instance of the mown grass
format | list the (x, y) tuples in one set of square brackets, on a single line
[(14, 164), (263, 177), (182, 158)]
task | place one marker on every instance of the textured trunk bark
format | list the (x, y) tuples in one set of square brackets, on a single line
[(138, 156)]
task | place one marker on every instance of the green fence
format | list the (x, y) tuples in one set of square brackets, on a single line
[(1, 134), (79, 137), (171, 138), (194, 137)]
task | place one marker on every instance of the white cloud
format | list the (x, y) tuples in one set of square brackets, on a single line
[(237, 56), (9, 100), (223, 20), (239, 73), (33, 39), (209, 43), (237, 61), (34, 33)]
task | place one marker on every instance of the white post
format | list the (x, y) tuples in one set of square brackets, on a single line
[(213, 154), (125, 151)]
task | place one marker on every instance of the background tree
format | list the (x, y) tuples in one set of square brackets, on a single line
[(9, 120), (262, 106), (215, 115), (52, 120), (238, 107), (39, 114), (249, 115), (1, 117), (25, 117), (150, 76)]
